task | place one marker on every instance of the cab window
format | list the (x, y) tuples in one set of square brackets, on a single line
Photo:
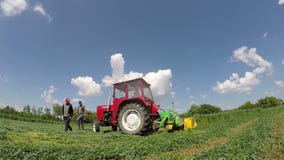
[(120, 91)]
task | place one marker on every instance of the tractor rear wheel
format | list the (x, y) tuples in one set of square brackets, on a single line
[(96, 126), (134, 119)]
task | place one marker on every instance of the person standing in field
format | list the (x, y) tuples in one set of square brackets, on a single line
[(82, 112), (67, 111)]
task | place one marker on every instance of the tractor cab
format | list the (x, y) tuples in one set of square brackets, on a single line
[(134, 89)]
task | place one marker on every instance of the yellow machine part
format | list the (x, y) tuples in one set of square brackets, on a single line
[(169, 127), (189, 123)]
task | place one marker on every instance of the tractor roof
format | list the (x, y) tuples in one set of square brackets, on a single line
[(137, 79)]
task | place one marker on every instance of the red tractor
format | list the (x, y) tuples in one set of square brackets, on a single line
[(133, 109)]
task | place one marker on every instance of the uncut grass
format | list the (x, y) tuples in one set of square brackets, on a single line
[(222, 130), (274, 149), (248, 143)]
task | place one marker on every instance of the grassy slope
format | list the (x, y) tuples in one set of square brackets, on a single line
[(274, 148), (250, 134)]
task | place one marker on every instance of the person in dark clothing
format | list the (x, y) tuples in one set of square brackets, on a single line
[(67, 111)]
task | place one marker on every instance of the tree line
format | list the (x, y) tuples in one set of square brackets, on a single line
[(41, 114), (208, 109), (263, 103)]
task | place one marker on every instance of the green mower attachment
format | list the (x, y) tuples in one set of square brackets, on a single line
[(171, 121)]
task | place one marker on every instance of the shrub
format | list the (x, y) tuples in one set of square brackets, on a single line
[(207, 109), (202, 109), (8, 110), (194, 109), (268, 102), (247, 105)]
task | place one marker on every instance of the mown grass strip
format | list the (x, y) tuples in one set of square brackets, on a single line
[(209, 144), (248, 144), (253, 131), (212, 126), (49, 141), (275, 146)]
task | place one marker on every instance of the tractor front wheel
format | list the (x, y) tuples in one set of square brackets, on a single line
[(133, 118)]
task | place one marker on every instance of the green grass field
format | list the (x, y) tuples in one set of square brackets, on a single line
[(240, 134)]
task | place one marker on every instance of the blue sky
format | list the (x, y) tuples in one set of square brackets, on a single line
[(221, 52)]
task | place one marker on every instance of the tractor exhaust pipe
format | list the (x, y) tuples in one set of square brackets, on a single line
[(108, 102)]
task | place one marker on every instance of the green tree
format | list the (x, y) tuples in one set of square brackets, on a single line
[(207, 109), (27, 109), (8, 110), (281, 101), (247, 105), (89, 118), (34, 110), (268, 102), (194, 109), (47, 111), (39, 111), (57, 109)]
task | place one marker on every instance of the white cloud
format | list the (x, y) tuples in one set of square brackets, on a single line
[(2, 105), (252, 59), (40, 10), (132, 75), (281, 2), (87, 86), (117, 64), (16, 7), (251, 79), (237, 84), (17, 108), (280, 84), (264, 35), (282, 62), (47, 95), (160, 81), (13, 7)]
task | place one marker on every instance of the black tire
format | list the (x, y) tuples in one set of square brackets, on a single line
[(113, 128), (134, 118), (96, 126)]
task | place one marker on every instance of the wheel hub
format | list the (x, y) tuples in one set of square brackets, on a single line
[(131, 120)]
